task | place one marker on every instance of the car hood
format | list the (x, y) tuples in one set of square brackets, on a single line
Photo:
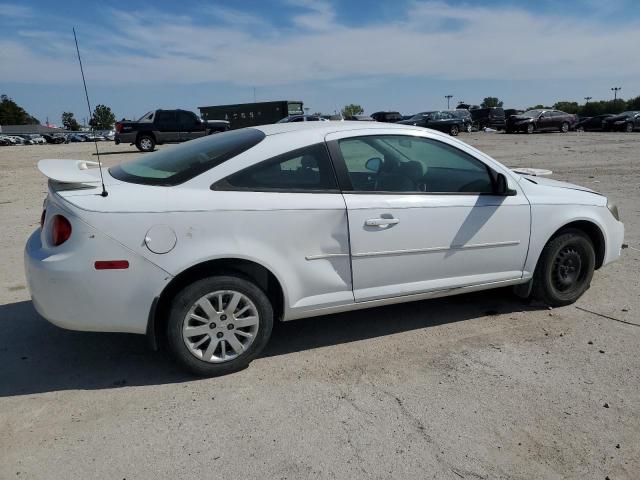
[(616, 118), (540, 190), (519, 118)]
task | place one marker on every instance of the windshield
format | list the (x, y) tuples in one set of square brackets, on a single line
[(630, 113), (531, 113), (178, 164)]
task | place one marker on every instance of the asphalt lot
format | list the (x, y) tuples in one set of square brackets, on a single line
[(475, 386)]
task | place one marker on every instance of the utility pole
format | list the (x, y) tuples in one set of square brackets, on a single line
[(448, 97), (587, 99), (615, 92), (254, 94)]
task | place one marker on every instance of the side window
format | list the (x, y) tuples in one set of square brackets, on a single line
[(187, 120), (307, 168), (166, 120), (393, 163)]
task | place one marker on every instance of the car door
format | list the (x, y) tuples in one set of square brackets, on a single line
[(544, 121), (166, 126), (189, 126), (422, 215)]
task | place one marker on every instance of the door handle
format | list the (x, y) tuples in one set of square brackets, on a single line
[(381, 222)]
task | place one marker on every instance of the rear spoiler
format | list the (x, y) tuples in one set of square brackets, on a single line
[(69, 171)]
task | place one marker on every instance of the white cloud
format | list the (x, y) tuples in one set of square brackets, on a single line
[(12, 10), (433, 39)]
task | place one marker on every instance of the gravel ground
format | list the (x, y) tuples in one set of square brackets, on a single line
[(475, 386)]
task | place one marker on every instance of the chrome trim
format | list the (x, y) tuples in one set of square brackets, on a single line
[(323, 256), (436, 249)]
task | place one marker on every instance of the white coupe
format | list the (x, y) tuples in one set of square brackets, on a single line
[(202, 246)]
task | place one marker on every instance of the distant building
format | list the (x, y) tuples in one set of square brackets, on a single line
[(27, 129)]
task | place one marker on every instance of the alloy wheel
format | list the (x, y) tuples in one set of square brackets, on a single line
[(146, 144), (220, 326)]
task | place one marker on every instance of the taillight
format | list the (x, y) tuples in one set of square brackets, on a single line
[(60, 230), (119, 127), (42, 217)]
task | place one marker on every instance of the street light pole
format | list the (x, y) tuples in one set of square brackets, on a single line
[(448, 97), (615, 92), (587, 99)]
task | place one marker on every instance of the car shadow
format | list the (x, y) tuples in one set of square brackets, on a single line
[(37, 357)]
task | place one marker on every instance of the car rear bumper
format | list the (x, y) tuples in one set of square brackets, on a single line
[(125, 137), (69, 292)]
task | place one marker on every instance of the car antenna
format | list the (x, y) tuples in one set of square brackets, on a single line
[(95, 141)]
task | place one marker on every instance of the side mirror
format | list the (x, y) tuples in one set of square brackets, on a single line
[(374, 164), (501, 186)]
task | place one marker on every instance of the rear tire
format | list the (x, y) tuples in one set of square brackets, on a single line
[(145, 143), (224, 336), (565, 269), (564, 128), (454, 130), (628, 127)]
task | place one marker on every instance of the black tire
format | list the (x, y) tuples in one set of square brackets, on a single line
[(454, 130), (628, 127), (580, 129), (565, 269), (186, 298), (530, 128), (146, 143), (564, 128)]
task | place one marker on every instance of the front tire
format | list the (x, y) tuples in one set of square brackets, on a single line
[(629, 127), (218, 325), (530, 128), (565, 127), (145, 143), (454, 130), (565, 269)]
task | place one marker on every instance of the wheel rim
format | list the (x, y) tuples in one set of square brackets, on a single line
[(530, 128), (220, 326), (629, 127), (565, 127), (454, 130), (568, 270), (145, 143)]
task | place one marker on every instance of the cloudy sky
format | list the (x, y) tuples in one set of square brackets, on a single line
[(403, 55)]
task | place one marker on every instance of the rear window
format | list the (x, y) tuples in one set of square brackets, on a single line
[(178, 164)]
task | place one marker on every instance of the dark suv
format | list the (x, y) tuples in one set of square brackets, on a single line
[(492, 117), (388, 117), (626, 122), (465, 116), (541, 121)]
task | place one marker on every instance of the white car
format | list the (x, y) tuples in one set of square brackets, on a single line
[(207, 243)]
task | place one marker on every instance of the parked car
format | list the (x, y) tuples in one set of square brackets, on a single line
[(165, 126), (208, 243), (591, 124), (32, 139), (16, 140), (5, 141), (443, 121), (302, 118), (541, 121), (492, 117), (54, 138), (387, 117), (625, 121), (465, 116), (77, 137)]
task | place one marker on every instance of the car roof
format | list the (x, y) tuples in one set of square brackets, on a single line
[(327, 127)]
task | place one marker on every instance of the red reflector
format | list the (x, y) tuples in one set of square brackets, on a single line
[(111, 264), (60, 230)]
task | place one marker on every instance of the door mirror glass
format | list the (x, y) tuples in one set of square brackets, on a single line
[(374, 164), (502, 186)]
